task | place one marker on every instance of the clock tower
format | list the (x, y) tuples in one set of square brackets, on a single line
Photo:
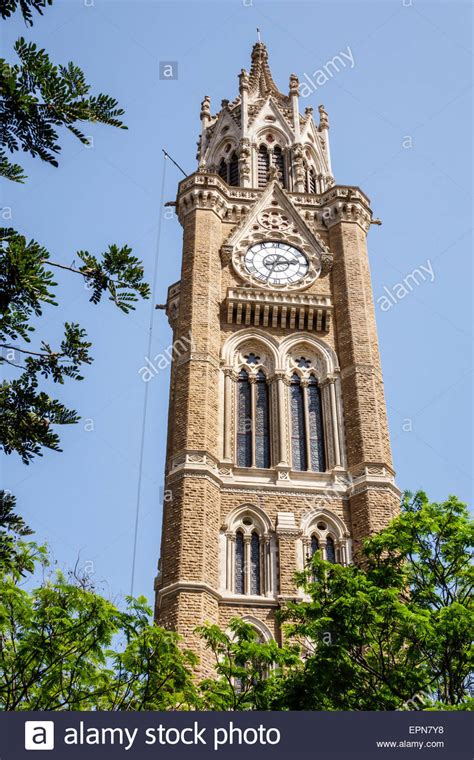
[(278, 443)]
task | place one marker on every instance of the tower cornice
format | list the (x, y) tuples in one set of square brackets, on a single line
[(206, 190)]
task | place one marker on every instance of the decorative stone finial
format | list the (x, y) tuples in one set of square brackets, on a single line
[(259, 52), (308, 111), (323, 118), (243, 79), (294, 84), (224, 103), (206, 107)]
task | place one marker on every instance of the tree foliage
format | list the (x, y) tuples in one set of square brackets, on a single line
[(8, 8), (248, 669), (393, 634), (397, 632), (17, 556), (37, 98), (65, 647), (28, 415)]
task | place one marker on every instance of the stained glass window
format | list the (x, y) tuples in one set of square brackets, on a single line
[(255, 564), (330, 550), (279, 160), (262, 432), (239, 563), (263, 163), (244, 421), (314, 545), (298, 443), (316, 441)]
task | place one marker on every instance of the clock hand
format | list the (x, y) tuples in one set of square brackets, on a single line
[(271, 270)]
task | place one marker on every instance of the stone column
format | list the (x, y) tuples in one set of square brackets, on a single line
[(253, 401), (294, 84), (247, 563), (268, 574), (335, 422), (322, 548), (227, 432), (282, 439), (230, 562)]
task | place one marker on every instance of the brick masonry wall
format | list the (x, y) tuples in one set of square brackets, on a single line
[(197, 512)]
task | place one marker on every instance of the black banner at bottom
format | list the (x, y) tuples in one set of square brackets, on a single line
[(193, 735)]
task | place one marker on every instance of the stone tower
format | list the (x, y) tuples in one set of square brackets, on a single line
[(278, 443)]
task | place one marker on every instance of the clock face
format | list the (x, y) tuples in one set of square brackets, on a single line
[(275, 263)]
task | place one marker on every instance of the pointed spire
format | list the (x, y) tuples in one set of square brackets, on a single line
[(260, 78)]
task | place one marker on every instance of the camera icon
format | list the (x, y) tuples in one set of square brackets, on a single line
[(39, 734)]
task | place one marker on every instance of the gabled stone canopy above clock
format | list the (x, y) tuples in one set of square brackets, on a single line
[(274, 222), (262, 128)]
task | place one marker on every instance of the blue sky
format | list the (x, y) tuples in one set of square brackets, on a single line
[(400, 129)]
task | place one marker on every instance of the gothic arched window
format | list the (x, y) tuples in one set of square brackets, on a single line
[(233, 176), (244, 421), (279, 161), (263, 164), (255, 564), (307, 439), (250, 551), (330, 550), (328, 534), (253, 421), (239, 563), (229, 170)]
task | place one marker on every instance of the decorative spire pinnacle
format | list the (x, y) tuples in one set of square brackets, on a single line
[(294, 83), (206, 107), (323, 118), (260, 78)]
